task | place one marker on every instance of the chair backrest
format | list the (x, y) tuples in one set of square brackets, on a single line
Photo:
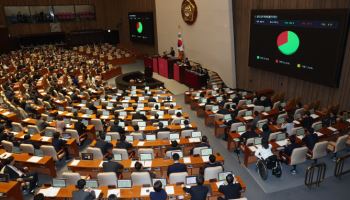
[(320, 150), (212, 172), (298, 155), (241, 113), (27, 148), (241, 103), (178, 177), (283, 115), (219, 116), (299, 112), (250, 141), (163, 135), (141, 178), (49, 150), (97, 153), (341, 143), (276, 105), (273, 136), (8, 146), (186, 133), (98, 124), (50, 130), (145, 150), (107, 179), (234, 126), (32, 129), (176, 121), (114, 135), (123, 152), (295, 130), (259, 108), (168, 154), (197, 150), (317, 126), (263, 121), (74, 134), (16, 127), (136, 121), (71, 177), (137, 136)]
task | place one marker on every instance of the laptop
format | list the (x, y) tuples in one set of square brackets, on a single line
[(141, 98), (162, 180), (108, 138), (140, 105), (191, 180), (91, 183), (66, 120), (129, 138), (222, 175), (165, 123), (146, 156), (206, 152), (143, 113), (174, 136), (218, 99), (227, 117), (214, 108), (110, 104), (117, 157), (74, 110), (127, 183), (241, 129), (123, 113), (181, 155), (257, 141), (249, 113), (196, 134), (281, 137), (151, 137), (160, 113), (121, 124), (58, 183), (125, 105), (133, 92), (141, 124), (85, 122), (300, 132), (281, 120), (105, 113), (87, 156)]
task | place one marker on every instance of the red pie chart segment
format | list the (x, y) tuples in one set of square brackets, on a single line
[(282, 38)]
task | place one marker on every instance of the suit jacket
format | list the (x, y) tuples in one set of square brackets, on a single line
[(289, 148), (58, 144), (198, 192), (231, 191), (310, 140), (124, 145), (101, 144), (248, 134), (163, 129), (112, 167), (116, 128), (139, 116), (80, 127), (82, 195), (176, 167), (307, 122), (13, 175)]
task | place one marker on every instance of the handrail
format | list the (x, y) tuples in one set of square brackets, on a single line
[(310, 180), (339, 167)]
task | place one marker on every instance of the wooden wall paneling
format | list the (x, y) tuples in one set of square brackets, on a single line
[(255, 79)]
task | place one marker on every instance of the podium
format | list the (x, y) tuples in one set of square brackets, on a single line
[(166, 66)]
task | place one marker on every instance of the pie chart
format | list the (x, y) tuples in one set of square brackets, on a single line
[(288, 42), (139, 27)]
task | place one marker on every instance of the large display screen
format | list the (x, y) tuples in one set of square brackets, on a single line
[(141, 27), (304, 44)]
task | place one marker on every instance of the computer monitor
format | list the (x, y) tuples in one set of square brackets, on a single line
[(49, 119), (160, 113), (141, 124), (96, 103), (181, 155), (196, 134), (162, 180), (222, 175), (124, 183), (105, 113), (151, 137), (280, 137), (281, 120), (123, 113), (114, 97), (227, 117), (249, 113), (318, 126), (206, 152), (133, 92), (60, 108), (133, 88), (108, 138), (59, 182), (267, 109), (147, 88), (91, 183), (127, 98), (129, 138), (249, 102), (143, 113), (257, 141), (89, 112), (125, 105), (174, 136), (110, 104), (66, 120), (214, 108), (300, 132), (121, 124), (191, 180), (85, 122), (117, 156), (87, 156), (165, 123), (140, 105), (146, 156), (241, 129)]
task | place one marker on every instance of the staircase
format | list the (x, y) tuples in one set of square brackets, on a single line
[(215, 79)]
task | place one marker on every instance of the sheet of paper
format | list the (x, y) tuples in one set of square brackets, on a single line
[(252, 148), (142, 128), (132, 165), (146, 190), (296, 122), (319, 134), (265, 113), (250, 105), (49, 192), (45, 138), (314, 116), (140, 143), (248, 118), (182, 126), (193, 140), (74, 162), (187, 160), (5, 155), (6, 113), (282, 142), (332, 129), (300, 137), (170, 190), (220, 183), (60, 112), (205, 158), (147, 164), (115, 192), (34, 159), (97, 193)]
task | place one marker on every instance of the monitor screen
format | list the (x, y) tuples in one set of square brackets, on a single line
[(227, 117), (206, 152), (280, 137), (129, 138), (174, 136), (304, 44), (145, 156), (91, 184), (85, 122), (151, 137), (191, 180), (117, 156), (57, 182), (105, 113), (223, 175), (87, 156), (108, 138), (124, 183), (241, 129), (300, 131), (196, 134), (141, 124), (141, 27), (162, 180), (165, 123)]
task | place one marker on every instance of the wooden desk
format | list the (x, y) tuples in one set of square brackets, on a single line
[(172, 127), (11, 190), (220, 128), (209, 118), (45, 166)]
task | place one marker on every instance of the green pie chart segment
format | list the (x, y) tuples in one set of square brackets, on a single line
[(288, 42), (139, 27)]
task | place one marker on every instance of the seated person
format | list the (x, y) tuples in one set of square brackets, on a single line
[(329, 120), (225, 111), (159, 193), (162, 128), (123, 144), (39, 196), (80, 127), (112, 197), (256, 119), (138, 115), (112, 166), (40, 123), (264, 151), (288, 150), (82, 194), (204, 143), (288, 126), (101, 143), (198, 192), (59, 144), (212, 163), (176, 167), (250, 133), (177, 117), (20, 174), (139, 168), (231, 190), (174, 146), (310, 138), (116, 128), (138, 135), (187, 125), (307, 120)]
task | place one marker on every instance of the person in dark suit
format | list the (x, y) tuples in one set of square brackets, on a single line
[(112, 197), (203, 143), (116, 128), (288, 150), (139, 168), (122, 144), (225, 111), (92, 107), (159, 193), (39, 196), (162, 128), (187, 125), (310, 139), (80, 127), (329, 119), (250, 133), (59, 144), (266, 132), (212, 163), (18, 174), (112, 166), (81, 194), (231, 190), (152, 99), (176, 167), (198, 192), (138, 115), (101, 143), (307, 120), (174, 146)]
